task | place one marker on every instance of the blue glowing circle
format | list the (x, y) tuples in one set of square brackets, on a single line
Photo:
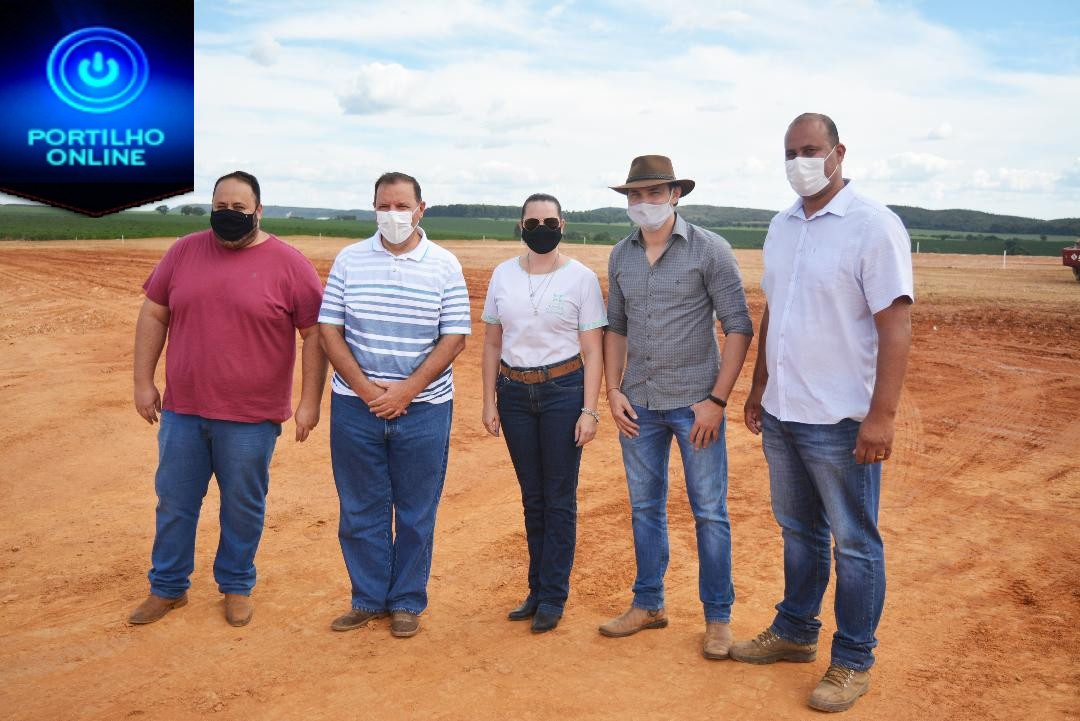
[(77, 70)]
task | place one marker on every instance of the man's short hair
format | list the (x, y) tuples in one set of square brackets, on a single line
[(391, 178), (830, 126), (541, 198), (246, 178)]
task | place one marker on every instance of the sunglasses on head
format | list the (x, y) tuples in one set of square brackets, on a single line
[(534, 223)]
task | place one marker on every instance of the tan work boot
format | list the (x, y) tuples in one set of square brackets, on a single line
[(634, 620), (355, 618), (717, 640), (839, 689), (238, 609), (770, 648), (404, 624), (154, 607)]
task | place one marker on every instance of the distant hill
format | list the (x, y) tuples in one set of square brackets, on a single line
[(715, 216), (701, 214), (975, 221), (718, 215), (954, 222), (474, 210), (288, 211)]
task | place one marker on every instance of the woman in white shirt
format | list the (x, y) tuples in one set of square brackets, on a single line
[(542, 364)]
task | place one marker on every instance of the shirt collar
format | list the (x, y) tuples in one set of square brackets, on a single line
[(416, 253), (837, 206)]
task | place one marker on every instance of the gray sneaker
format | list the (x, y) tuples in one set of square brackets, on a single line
[(839, 689), (770, 648)]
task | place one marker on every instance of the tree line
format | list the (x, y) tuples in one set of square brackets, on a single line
[(714, 216), (966, 221)]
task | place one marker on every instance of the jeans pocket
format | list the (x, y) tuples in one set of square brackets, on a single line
[(571, 381)]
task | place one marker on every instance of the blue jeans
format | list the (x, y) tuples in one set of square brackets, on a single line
[(538, 423), (818, 489), (190, 450), (646, 461), (389, 476)]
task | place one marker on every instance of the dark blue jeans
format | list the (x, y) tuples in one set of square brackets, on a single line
[(190, 450), (389, 476), (819, 490), (538, 423)]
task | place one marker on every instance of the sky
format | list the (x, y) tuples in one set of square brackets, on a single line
[(940, 104)]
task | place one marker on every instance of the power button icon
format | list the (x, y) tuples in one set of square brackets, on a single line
[(97, 69)]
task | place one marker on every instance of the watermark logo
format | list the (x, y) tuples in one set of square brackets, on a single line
[(98, 102), (97, 69)]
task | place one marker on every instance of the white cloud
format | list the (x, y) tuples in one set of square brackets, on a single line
[(944, 131), (518, 96), (384, 87), (1070, 178), (688, 17), (907, 167), (1020, 180), (265, 51), (397, 24), (559, 9)]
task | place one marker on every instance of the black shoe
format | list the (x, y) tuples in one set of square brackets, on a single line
[(544, 622), (526, 610)]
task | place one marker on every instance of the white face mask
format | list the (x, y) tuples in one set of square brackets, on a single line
[(651, 216), (807, 175), (396, 226)]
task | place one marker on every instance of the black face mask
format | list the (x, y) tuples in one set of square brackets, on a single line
[(541, 239), (231, 225)]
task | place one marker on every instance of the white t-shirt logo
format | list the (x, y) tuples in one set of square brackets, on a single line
[(555, 306)]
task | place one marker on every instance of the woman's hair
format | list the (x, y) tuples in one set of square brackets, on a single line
[(541, 197)]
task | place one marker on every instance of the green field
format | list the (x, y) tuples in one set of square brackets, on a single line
[(31, 222)]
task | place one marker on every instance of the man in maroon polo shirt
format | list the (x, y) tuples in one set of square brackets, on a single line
[(230, 301)]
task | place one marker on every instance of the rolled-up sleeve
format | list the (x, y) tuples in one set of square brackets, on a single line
[(726, 291), (616, 308)]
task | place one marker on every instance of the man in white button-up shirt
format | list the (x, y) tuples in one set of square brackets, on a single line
[(832, 352)]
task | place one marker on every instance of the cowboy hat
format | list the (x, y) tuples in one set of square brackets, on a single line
[(649, 170)]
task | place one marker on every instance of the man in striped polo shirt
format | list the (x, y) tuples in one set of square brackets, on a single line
[(394, 316)]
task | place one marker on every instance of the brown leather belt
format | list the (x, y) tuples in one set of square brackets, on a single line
[(542, 374)]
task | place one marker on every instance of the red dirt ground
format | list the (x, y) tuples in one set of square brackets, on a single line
[(979, 513)]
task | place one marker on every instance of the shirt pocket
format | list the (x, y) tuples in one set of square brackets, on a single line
[(679, 288)]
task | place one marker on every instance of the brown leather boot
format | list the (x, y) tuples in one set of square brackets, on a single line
[(238, 609), (717, 640), (770, 648), (634, 620), (839, 689), (154, 607), (355, 618), (404, 624)]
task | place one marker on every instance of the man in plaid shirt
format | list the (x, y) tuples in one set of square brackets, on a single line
[(667, 281)]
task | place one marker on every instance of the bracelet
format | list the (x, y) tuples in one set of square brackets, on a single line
[(613, 390), (591, 412), (718, 401)]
